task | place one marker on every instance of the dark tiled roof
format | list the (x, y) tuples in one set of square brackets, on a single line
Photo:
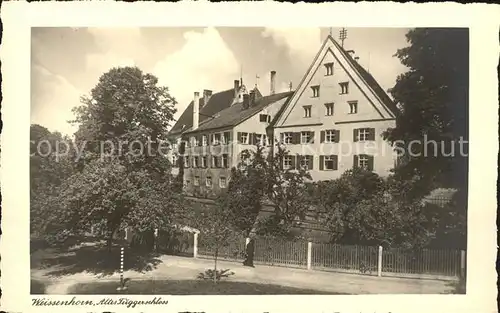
[(379, 91), (217, 102), (236, 114)]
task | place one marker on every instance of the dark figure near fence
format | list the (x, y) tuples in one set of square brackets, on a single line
[(249, 253)]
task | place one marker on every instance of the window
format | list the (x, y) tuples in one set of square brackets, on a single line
[(204, 161), (329, 109), (186, 161), (196, 162), (215, 162), (306, 162), (226, 138), (328, 162), (307, 111), (188, 182), (315, 91), (287, 138), (222, 182), (364, 134), (306, 137), (344, 88), (208, 181), (175, 146), (194, 141), (353, 107), (363, 162), (329, 69), (174, 160), (265, 118), (243, 138), (287, 162), (216, 138), (197, 180), (204, 140), (225, 161), (260, 140), (330, 136)]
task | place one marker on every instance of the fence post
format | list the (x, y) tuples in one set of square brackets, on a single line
[(195, 245), (309, 254), (379, 268), (156, 239), (462, 263), (122, 281)]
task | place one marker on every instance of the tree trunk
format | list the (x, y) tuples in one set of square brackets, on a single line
[(110, 238)]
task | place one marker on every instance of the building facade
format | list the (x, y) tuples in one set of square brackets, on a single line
[(335, 119), (331, 123)]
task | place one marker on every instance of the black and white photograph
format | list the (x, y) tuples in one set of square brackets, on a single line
[(249, 161)]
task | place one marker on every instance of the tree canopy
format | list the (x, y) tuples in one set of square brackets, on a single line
[(123, 177), (433, 97)]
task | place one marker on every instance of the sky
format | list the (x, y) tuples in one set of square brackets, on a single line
[(66, 63)]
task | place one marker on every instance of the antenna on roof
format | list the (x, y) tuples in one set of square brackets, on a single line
[(331, 32), (256, 80), (290, 86), (342, 36)]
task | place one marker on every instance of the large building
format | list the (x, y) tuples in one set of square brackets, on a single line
[(215, 135), (332, 122), (335, 119)]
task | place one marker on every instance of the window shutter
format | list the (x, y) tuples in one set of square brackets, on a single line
[(239, 138), (254, 139), (298, 162), (296, 138), (372, 134), (322, 136), (230, 137), (355, 161), (355, 135), (311, 160), (294, 161), (335, 162), (312, 137), (337, 135), (199, 139), (209, 161), (321, 162), (370, 162)]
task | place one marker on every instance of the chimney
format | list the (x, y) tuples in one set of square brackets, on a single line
[(251, 98), (246, 101), (236, 88), (196, 110), (273, 79), (206, 96)]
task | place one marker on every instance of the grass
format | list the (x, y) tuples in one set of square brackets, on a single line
[(188, 287), (37, 287)]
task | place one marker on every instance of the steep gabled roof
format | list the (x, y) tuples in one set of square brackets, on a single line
[(371, 83), (217, 102), (370, 80), (235, 114)]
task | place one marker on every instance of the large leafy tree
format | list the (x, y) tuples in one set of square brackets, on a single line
[(123, 177), (51, 163), (433, 98)]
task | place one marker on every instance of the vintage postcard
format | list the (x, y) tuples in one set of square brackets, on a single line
[(249, 157)]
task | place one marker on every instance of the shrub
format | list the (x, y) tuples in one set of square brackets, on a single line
[(215, 275)]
